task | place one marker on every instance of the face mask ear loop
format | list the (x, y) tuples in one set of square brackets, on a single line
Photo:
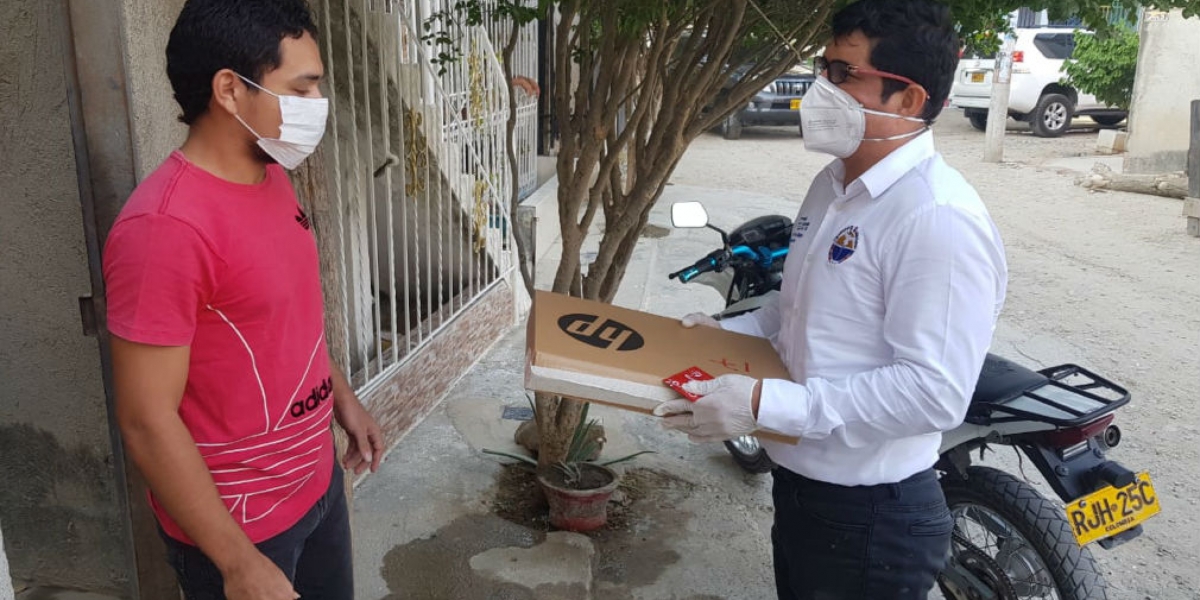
[(899, 137), (251, 82), (926, 126), (880, 113), (239, 117), (248, 128)]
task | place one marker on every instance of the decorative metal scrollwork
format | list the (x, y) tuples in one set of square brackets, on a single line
[(416, 154)]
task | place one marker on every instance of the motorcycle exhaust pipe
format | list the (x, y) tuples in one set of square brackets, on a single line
[(1112, 436)]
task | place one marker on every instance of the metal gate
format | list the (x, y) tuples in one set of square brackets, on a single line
[(420, 176)]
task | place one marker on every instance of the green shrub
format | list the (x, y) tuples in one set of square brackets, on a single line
[(1104, 65)]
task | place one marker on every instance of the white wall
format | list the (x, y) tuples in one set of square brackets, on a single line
[(1167, 81)]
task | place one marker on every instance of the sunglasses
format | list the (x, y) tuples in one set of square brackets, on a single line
[(836, 71)]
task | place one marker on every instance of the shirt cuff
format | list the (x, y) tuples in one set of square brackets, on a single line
[(783, 407)]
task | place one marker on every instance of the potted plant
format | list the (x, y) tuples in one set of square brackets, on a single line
[(578, 489)]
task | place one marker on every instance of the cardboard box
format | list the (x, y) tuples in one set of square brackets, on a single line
[(616, 356)]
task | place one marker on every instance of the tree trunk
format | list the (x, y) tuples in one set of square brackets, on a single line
[(510, 145), (1169, 185)]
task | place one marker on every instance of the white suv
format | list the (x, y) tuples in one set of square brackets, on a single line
[(1037, 94)]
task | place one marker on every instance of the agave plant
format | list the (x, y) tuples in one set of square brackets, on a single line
[(582, 446)]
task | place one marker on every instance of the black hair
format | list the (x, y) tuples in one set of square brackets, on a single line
[(242, 35), (913, 38)]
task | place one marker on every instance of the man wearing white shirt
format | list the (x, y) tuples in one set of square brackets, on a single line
[(894, 279)]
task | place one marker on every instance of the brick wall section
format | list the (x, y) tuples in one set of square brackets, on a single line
[(421, 383)]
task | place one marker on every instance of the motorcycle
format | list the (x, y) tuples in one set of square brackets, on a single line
[(1009, 541)]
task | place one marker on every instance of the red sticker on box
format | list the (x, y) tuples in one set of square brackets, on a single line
[(677, 381)]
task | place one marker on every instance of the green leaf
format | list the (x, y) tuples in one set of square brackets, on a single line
[(625, 458), (577, 438), (520, 457)]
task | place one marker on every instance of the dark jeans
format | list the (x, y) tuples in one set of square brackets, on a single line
[(879, 542), (314, 553)]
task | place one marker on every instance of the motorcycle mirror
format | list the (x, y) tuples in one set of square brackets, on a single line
[(688, 215)]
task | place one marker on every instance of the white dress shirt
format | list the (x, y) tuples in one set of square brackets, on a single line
[(890, 295)]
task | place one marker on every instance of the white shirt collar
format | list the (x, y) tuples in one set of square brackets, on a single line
[(886, 172)]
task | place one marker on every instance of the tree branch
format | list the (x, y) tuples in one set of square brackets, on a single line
[(510, 137)]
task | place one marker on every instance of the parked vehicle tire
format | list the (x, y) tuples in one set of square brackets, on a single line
[(1015, 540), (978, 119), (731, 128), (1052, 115), (1108, 120), (749, 454)]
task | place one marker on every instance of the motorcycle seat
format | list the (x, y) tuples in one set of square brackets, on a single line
[(1000, 380)]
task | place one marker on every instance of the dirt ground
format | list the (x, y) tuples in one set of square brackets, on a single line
[(1105, 280)]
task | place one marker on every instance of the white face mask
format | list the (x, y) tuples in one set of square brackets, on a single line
[(302, 128), (834, 122)]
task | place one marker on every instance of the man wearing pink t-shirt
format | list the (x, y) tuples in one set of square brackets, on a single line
[(225, 389)]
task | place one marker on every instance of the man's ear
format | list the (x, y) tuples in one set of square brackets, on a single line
[(227, 89), (912, 101)]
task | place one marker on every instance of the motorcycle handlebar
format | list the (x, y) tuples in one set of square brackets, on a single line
[(717, 260), (713, 262)]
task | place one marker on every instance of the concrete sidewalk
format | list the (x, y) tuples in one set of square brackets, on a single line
[(687, 523)]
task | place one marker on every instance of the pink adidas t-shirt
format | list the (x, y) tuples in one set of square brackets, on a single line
[(232, 271)]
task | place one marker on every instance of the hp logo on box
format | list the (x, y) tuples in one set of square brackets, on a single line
[(606, 334)]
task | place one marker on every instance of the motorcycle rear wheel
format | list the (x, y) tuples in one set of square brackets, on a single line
[(1024, 533), (749, 454)]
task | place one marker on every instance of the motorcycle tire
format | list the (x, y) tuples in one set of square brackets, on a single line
[(1038, 520), (749, 455)]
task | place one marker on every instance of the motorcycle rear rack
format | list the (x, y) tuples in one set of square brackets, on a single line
[(1071, 397)]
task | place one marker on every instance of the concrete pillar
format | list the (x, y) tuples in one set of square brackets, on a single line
[(1191, 204), (1166, 83), (997, 121)]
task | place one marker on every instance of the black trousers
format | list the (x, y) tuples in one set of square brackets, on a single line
[(882, 542), (314, 553)]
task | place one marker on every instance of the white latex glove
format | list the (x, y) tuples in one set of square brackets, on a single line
[(698, 318), (724, 410)]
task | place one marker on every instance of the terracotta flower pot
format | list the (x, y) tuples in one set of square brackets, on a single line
[(580, 510)]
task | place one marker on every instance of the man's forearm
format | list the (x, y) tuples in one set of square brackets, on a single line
[(168, 458), (342, 392), (890, 402)]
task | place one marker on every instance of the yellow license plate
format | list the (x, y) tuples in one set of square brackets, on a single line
[(977, 77), (1110, 511), (796, 104)]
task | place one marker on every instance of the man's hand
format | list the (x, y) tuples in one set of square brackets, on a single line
[(724, 411), (698, 318), (366, 440), (257, 578)]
